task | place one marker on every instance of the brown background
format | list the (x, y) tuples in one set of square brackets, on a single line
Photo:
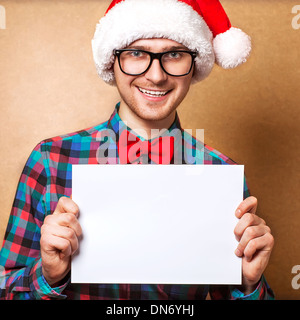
[(49, 86)]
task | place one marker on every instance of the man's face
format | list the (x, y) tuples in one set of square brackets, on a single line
[(167, 91)]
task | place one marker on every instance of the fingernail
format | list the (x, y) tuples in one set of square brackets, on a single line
[(238, 253), (62, 256), (238, 212), (248, 259)]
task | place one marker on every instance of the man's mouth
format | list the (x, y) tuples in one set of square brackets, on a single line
[(152, 93)]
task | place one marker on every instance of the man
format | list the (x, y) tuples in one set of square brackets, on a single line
[(152, 57)]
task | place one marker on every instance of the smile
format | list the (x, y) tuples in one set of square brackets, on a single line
[(151, 93)]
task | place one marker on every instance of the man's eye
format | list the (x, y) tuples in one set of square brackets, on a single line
[(136, 54), (174, 55)]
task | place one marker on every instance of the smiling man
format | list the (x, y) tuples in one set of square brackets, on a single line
[(152, 50)]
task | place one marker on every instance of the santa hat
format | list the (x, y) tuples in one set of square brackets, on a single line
[(200, 25)]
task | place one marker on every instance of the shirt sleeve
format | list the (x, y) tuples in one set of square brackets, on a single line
[(262, 292), (20, 263)]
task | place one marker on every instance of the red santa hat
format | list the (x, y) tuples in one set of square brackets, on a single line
[(200, 25)]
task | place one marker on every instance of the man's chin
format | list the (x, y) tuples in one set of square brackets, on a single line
[(153, 113)]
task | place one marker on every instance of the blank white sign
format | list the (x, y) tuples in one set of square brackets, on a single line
[(161, 224)]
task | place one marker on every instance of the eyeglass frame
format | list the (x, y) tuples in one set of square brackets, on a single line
[(153, 56)]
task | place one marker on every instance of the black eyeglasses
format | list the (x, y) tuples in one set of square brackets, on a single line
[(174, 63)]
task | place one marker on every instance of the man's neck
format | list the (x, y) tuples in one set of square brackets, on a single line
[(144, 128)]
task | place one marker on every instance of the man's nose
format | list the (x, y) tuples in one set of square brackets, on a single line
[(156, 74)]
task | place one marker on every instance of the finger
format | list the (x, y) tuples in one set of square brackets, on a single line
[(68, 234), (263, 243), (251, 233), (247, 220), (248, 205), (63, 232), (65, 220), (51, 242), (66, 205)]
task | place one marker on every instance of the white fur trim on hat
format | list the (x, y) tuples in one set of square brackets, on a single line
[(132, 20)]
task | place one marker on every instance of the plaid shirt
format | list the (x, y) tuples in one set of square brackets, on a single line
[(46, 177)]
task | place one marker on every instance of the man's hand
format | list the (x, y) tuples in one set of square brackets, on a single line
[(255, 243), (59, 240)]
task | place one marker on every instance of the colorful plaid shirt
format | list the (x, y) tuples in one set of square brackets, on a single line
[(46, 177)]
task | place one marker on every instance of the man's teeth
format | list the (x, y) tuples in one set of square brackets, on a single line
[(153, 93)]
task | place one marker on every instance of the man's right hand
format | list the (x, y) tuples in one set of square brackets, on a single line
[(59, 240)]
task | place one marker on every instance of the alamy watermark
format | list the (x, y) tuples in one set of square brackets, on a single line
[(296, 278), (2, 17), (185, 147), (296, 18)]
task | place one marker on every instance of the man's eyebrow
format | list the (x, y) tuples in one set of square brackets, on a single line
[(173, 48)]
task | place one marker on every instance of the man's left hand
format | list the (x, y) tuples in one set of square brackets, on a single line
[(255, 243)]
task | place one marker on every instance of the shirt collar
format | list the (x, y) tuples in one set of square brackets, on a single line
[(116, 124)]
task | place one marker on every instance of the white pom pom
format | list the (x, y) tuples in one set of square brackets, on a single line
[(232, 48)]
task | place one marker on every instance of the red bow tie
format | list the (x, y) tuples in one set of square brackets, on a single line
[(133, 150)]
